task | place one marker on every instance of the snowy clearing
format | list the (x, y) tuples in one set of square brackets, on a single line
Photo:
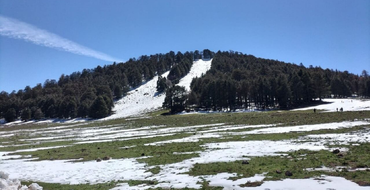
[(333, 105)]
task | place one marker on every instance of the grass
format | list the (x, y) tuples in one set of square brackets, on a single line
[(296, 162), (163, 154), (54, 186), (167, 158), (36, 145), (140, 182), (157, 155), (155, 170), (288, 118), (281, 136), (114, 149)]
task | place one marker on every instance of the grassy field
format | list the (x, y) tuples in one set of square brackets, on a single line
[(157, 155)]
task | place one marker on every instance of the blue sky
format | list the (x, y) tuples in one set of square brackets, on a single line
[(331, 34)]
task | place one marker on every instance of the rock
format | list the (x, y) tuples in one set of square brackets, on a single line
[(340, 155), (278, 171), (142, 154), (245, 162), (98, 160), (336, 151), (106, 158), (288, 173), (98, 147)]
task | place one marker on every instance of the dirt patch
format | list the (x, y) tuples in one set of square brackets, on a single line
[(252, 184)]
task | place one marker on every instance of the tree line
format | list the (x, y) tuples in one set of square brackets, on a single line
[(92, 92), (237, 81)]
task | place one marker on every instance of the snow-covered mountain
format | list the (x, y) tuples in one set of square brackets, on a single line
[(146, 98)]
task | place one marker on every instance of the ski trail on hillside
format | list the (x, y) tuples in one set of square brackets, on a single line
[(145, 98), (199, 67)]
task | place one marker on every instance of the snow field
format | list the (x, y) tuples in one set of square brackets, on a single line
[(347, 105), (171, 175), (144, 99)]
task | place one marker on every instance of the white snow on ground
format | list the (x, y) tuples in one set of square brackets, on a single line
[(19, 122), (172, 175), (335, 139), (139, 101), (322, 183), (14, 184), (145, 98), (199, 68), (346, 104), (344, 124), (62, 171)]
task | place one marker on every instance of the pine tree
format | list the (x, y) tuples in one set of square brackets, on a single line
[(83, 109), (10, 115), (175, 99), (26, 114), (118, 93), (161, 84), (297, 87), (283, 92), (38, 114), (319, 86), (99, 108)]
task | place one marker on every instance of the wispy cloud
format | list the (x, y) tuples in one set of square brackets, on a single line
[(19, 30)]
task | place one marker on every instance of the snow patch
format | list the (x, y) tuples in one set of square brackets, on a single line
[(334, 105), (15, 184)]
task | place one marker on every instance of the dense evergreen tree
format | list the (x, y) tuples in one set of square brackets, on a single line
[(175, 99), (320, 87), (99, 108), (283, 94), (26, 114), (37, 114), (10, 115), (161, 84), (243, 81), (73, 95)]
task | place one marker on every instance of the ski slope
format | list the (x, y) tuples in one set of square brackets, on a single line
[(146, 98)]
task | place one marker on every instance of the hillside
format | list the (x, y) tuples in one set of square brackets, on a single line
[(146, 98), (241, 81), (234, 81), (92, 92)]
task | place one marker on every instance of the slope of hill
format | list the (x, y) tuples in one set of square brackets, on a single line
[(145, 98), (235, 81), (333, 105)]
